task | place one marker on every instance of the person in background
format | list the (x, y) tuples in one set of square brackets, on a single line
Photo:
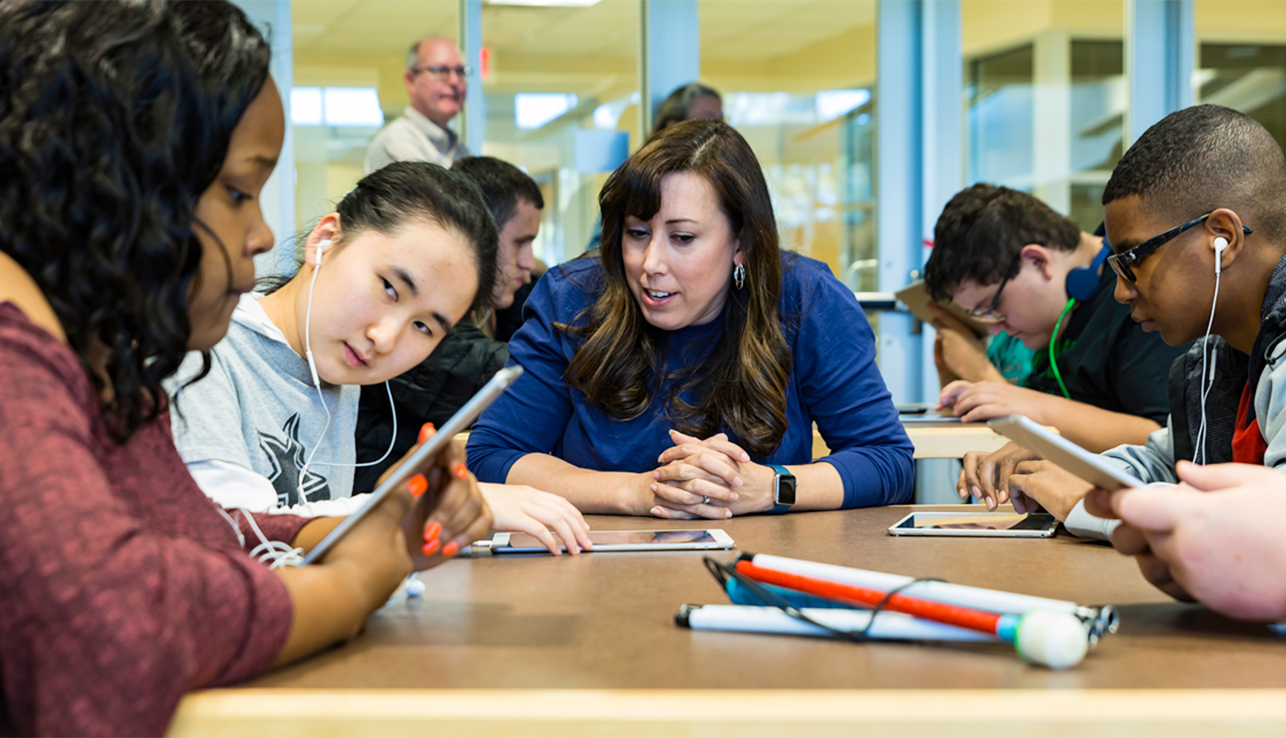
[(689, 102), (136, 140), (436, 82), (1010, 260), (692, 101), (679, 370)]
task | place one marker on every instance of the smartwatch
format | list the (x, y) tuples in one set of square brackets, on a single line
[(783, 489)]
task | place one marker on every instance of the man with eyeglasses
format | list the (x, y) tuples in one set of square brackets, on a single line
[(436, 82)]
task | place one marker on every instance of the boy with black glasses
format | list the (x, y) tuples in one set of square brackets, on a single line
[(1196, 213)]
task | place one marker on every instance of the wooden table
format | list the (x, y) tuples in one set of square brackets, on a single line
[(587, 645)]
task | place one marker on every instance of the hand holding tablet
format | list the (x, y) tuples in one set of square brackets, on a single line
[(426, 460), (1091, 467), (1039, 467)]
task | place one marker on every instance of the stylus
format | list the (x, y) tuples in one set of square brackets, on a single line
[(888, 625), (1099, 620), (1055, 639)]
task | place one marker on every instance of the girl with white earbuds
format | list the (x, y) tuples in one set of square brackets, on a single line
[(271, 427)]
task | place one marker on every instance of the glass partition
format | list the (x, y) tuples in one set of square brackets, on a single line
[(562, 93), (798, 81), (1241, 59), (349, 61), (1045, 96)]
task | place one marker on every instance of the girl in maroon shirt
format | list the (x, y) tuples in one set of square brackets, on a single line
[(134, 141)]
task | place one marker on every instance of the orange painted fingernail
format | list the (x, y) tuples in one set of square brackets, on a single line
[(460, 471), (418, 485), (450, 549), (432, 532), (431, 547), (426, 432)]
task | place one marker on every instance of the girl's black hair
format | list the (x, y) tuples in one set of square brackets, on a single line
[(114, 118), (407, 191)]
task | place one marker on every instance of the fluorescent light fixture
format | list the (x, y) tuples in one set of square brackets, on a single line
[(306, 106), (546, 3), (353, 106), (831, 104), (534, 109)]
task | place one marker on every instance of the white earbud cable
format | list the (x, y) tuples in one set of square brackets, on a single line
[(312, 368)]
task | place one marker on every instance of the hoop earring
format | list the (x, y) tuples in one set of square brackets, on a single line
[(739, 275)]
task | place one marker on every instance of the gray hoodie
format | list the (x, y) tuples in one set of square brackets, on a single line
[(257, 416)]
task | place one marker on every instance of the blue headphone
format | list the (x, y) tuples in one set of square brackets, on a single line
[(1082, 281)]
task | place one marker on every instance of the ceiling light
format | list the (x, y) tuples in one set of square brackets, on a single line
[(546, 3)]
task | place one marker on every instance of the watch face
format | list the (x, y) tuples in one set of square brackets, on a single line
[(784, 494)]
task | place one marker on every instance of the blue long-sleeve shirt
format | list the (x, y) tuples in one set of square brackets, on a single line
[(833, 382)]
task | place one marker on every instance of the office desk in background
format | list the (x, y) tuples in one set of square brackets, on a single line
[(587, 645), (937, 440), (931, 440)]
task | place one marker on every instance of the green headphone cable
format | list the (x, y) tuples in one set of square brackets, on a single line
[(1053, 360)]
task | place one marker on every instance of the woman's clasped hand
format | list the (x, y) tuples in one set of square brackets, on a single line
[(711, 478)]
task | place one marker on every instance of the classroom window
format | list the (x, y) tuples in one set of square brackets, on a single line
[(1046, 96), (562, 93), (1241, 59), (798, 81)]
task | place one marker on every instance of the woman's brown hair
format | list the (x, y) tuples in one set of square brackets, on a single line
[(742, 384)]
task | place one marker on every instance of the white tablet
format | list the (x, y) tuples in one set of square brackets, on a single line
[(985, 524), (422, 456), (1088, 466), (712, 539)]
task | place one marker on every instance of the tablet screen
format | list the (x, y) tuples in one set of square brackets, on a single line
[(980, 521)]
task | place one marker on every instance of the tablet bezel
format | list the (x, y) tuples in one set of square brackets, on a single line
[(498, 544), (1047, 532), (1091, 467)]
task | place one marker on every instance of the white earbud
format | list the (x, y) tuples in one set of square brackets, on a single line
[(308, 314), (1208, 380), (1221, 243), (312, 368)]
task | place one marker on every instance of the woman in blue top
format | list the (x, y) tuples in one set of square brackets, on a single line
[(679, 371)]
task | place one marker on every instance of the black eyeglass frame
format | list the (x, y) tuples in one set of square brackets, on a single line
[(990, 315), (441, 71), (1123, 262)]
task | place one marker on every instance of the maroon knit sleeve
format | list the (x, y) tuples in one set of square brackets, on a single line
[(122, 586)]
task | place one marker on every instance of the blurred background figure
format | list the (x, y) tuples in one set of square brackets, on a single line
[(693, 100), (435, 81), (689, 102)]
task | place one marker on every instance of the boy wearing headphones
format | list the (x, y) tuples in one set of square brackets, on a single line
[(1196, 213), (1010, 260)]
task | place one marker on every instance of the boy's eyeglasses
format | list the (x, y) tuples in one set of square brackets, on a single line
[(441, 71), (1123, 262), (991, 314)]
